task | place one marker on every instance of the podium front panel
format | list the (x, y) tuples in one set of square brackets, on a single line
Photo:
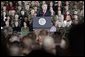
[(42, 23)]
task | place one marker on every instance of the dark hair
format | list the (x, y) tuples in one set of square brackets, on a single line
[(43, 32), (30, 35), (15, 43)]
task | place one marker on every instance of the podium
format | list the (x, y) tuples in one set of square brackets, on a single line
[(42, 23)]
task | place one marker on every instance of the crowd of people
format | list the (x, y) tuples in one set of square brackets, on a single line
[(17, 24)]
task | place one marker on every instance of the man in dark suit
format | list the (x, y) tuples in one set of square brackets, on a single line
[(44, 11)]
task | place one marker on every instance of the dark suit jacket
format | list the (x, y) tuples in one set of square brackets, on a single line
[(40, 13)]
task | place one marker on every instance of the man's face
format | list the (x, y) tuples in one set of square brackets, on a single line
[(7, 23), (35, 8), (75, 12), (19, 7), (59, 12), (66, 8), (51, 3), (76, 17), (32, 12), (4, 8), (10, 3), (16, 16), (27, 7), (25, 24), (4, 13), (68, 17), (19, 2), (67, 2), (43, 2), (8, 18), (59, 8), (59, 3), (44, 6), (16, 23), (12, 12), (67, 12), (14, 38), (22, 12)]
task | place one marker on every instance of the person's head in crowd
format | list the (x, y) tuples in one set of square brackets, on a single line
[(19, 3), (68, 17), (24, 2), (68, 20), (25, 24), (27, 43), (13, 45), (75, 21), (10, 3), (8, 18), (7, 23), (75, 12), (16, 16), (43, 2), (14, 37), (26, 19), (12, 12), (4, 14), (22, 12), (67, 3), (41, 36), (75, 17), (80, 1), (27, 7), (35, 8), (43, 32), (52, 11), (33, 12), (63, 44), (59, 12), (4, 8), (51, 8), (61, 19), (14, 49), (36, 3), (66, 8), (33, 35), (32, 3), (2, 3), (67, 13), (19, 8), (75, 6), (49, 45), (59, 3), (44, 7), (51, 4), (59, 8), (16, 23)]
